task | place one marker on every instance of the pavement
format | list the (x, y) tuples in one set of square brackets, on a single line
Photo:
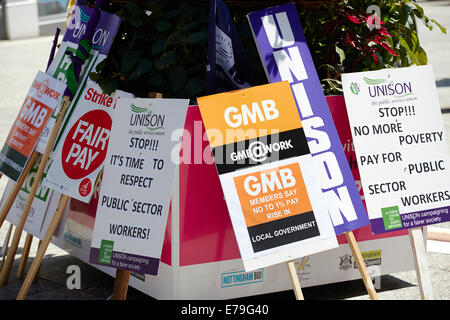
[(19, 63)]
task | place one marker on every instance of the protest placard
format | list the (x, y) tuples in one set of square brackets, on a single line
[(137, 184), (401, 148), (39, 206), (83, 142), (43, 97), (286, 56), (102, 40), (267, 174), (339, 111)]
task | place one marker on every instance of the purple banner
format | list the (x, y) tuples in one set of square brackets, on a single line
[(105, 31), (227, 68), (412, 220), (285, 55), (125, 261)]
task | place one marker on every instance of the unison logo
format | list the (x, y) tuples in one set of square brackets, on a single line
[(381, 87), (77, 23), (354, 87), (143, 116)]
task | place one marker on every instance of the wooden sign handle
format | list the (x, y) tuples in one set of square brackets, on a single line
[(24, 257), (121, 284), (361, 265), (421, 263), (155, 95), (43, 248), (19, 228), (295, 282), (36, 277), (6, 246)]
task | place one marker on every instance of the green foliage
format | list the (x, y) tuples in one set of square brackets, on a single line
[(341, 41), (158, 49), (165, 51)]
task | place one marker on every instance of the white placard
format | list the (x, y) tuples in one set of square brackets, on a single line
[(80, 151), (401, 148), (137, 183)]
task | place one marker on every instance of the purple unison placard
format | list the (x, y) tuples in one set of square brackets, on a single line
[(104, 33), (285, 55)]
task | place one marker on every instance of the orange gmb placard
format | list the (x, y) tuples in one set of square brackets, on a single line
[(28, 126), (272, 194), (250, 113)]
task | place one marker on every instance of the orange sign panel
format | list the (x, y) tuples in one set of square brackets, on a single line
[(272, 194), (247, 114)]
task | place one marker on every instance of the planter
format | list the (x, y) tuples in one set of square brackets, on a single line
[(200, 258)]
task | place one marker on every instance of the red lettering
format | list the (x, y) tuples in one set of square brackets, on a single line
[(88, 94), (99, 98)]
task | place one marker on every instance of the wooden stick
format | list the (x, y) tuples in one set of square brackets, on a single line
[(155, 95), (121, 284), (438, 234), (24, 258), (19, 228), (295, 282), (5, 249), (36, 277), (43, 248), (15, 190), (421, 263), (361, 265)]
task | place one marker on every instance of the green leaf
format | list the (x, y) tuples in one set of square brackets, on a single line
[(443, 30), (129, 60), (177, 77), (408, 50), (418, 7), (196, 38), (156, 80), (133, 8), (162, 25), (166, 59), (108, 85), (188, 26), (136, 22), (94, 76), (158, 46), (341, 54), (169, 14), (421, 56), (142, 67), (195, 86), (101, 65)]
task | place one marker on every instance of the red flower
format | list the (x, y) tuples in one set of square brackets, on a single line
[(353, 40), (355, 19), (374, 56)]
